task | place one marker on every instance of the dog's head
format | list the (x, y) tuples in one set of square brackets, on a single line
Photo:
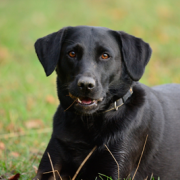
[(94, 65)]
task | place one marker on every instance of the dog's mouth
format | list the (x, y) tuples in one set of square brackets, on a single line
[(86, 101)]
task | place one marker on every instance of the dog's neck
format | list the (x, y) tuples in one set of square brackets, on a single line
[(118, 103)]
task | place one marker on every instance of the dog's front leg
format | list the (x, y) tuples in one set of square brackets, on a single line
[(51, 161)]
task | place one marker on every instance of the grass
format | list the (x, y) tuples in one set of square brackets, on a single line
[(28, 98)]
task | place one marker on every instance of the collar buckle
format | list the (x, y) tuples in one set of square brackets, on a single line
[(121, 101), (115, 107)]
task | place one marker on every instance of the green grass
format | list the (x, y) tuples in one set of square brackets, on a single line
[(26, 94)]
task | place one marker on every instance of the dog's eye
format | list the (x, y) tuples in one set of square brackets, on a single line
[(72, 54), (105, 56)]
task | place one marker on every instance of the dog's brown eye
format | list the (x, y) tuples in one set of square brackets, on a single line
[(72, 54), (104, 56)]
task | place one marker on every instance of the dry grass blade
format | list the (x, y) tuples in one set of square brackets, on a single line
[(52, 166), (114, 160), (140, 157), (84, 161), (71, 104), (17, 134), (151, 176), (54, 171)]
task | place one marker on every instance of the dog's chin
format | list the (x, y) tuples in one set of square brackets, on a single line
[(84, 109)]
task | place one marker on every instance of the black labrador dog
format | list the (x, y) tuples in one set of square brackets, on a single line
[(102, 106)]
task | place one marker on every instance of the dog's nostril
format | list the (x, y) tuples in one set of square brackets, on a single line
[(90, 86), (86, 83), (81, 84)]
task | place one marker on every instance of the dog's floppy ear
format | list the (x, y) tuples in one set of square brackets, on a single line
[(136, 54), (48, 50)]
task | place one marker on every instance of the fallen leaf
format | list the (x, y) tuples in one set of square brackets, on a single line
[(10, 127), (35, 169), (50, 99), (15, 154), (35, 123), (2, 145), (14, 177)]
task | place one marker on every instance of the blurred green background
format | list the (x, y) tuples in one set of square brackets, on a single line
[(28, 98)]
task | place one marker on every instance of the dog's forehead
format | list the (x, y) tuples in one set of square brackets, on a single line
[(84, 34)]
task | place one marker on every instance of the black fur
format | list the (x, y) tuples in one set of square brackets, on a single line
[(77, 129)]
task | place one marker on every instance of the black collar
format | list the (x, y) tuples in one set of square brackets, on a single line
[(119, 102)]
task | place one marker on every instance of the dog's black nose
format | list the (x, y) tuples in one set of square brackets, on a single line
[(86, 83)]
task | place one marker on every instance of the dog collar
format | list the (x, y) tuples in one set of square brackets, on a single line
[(120, 102)]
